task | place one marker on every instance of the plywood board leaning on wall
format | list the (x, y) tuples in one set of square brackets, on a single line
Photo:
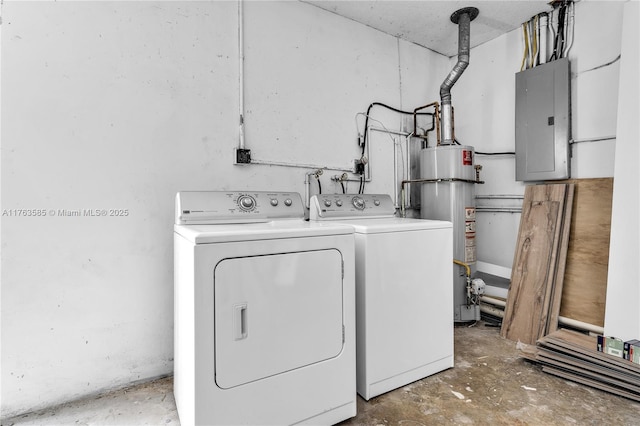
[(585, 280), (538, 263), (557, 286)]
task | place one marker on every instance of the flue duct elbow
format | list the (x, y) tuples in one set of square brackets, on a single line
[(463, 18)]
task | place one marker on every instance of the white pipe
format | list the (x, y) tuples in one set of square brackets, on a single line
[(561, 320), (395, 174), (499, 197), (492, 311), (570, 23), (241, 73), (533, 34), (407, 172), (580, 325), (307, 190), (552, 32), (543, 38), (597, 139), (489, 209), (385, 130), (536, 24), (497, 302), (300, 165)]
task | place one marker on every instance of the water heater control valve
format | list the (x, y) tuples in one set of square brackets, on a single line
[(478, 285)]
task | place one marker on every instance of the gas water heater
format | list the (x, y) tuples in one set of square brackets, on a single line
[(448, 179), (448, 193)]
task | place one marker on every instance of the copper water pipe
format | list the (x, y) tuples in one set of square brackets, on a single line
[(436, 107)]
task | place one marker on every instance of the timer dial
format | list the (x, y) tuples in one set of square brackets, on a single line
[(246, 203), (358, 203)]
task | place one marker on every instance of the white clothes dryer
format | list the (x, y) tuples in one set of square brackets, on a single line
[(404, 294), (264, 312)]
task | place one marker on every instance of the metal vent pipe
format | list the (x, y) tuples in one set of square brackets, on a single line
[(463, 18)]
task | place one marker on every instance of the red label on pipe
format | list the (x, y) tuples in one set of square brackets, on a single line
[(467, 157)]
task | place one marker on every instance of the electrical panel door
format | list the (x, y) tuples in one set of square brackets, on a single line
[(543, 127)]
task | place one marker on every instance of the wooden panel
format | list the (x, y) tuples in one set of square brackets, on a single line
[(602, 373), (585, 280), (583, 346), (561, 262), (534, 264), (591, 382), (574, 356)]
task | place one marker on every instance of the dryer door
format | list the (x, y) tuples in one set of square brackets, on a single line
[(275, 313)]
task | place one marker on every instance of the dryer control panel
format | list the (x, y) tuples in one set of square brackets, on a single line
[(214, 207), (340, 206)]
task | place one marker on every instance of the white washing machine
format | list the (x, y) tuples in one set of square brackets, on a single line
[(404, 294), (264, 312)]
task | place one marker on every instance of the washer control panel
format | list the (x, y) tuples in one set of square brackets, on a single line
[(340, 206), (213, 207)]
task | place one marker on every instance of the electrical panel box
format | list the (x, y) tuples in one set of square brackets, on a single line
[(543, 122)]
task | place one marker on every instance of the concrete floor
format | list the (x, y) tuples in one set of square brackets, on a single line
[(490, 385)]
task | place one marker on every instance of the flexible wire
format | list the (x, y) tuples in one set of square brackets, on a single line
[(559, 41), (366, 122), (495, 153), (526, 46), (562, 15), (488, 153)]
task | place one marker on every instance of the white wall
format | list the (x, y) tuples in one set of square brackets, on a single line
[(105, 106), (622, 317), (119, 105), (484, 101)]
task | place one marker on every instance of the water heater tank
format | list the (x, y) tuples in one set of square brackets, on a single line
[(449, 194)]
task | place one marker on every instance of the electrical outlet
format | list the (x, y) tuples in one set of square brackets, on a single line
[(243, 156), (358, 166)]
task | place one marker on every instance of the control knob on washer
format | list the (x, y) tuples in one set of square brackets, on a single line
[(327, 203), (288, 202), (246, 202), (358, 203)]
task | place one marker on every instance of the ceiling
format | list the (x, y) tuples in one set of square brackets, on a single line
[(427, 22)]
